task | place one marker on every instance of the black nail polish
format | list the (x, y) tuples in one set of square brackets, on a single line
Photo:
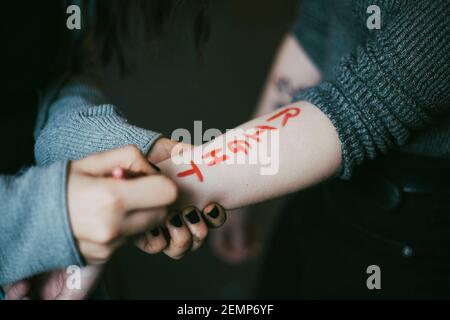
[(176, 221), (214, 213), (154, 166), (193, 217), (155, 232)]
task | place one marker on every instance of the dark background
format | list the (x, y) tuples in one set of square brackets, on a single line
[(173, 89)]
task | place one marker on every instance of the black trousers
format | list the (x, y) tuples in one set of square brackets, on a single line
[(394, 213)]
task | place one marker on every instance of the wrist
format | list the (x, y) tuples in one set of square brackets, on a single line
[(189, 193)]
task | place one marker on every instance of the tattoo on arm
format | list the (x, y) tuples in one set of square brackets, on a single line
[(286, 90)]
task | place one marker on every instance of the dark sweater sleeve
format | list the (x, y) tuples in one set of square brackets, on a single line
[(398, 82), (311, 28)]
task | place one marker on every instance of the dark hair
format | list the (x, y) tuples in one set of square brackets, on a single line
[(117, 23)]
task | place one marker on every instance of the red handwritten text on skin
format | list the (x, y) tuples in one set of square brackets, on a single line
[(259, 130), (287, 113), (216, 159), (238, 145), (193, 171)]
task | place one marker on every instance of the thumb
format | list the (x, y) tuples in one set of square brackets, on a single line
[(164, 148)]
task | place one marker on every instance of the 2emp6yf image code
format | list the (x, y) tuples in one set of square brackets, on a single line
[(218, 311)]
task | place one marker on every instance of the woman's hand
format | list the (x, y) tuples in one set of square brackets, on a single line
[(186, 230), (105, 211)]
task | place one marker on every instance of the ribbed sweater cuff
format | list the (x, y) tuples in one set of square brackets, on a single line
[(80, 123), (107, 118)]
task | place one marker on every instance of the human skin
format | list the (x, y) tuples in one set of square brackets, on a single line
[(292, 70), (301, 145), (103, 213), (239, 185), (309, 152), (186, 235), (241, 237)]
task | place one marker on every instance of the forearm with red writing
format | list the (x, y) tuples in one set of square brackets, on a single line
[(287, 150)]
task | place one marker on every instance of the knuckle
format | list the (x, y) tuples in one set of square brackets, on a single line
[(152, 245), (133, 150), (182, 244), (174, 256), (106, 233), (156, 246), (201, 234)]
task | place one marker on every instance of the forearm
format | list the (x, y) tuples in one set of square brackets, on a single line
[(305, 150), (292, 70)]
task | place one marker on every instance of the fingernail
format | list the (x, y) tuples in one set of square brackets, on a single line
[(214, 213), (155, 232), (193, 217), (176, 221), (154, 166)]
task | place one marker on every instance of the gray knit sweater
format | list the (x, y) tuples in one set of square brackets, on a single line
[(35, 234), (386, 92), (382, 89)]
